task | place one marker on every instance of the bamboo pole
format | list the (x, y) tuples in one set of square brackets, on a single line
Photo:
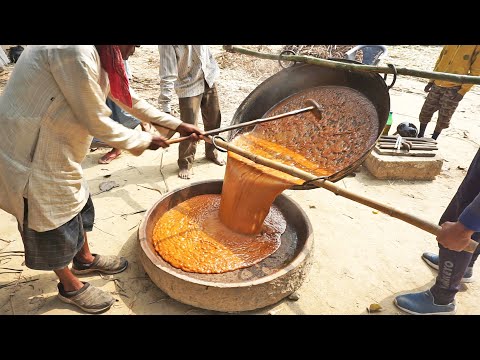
[(433, 75), (389, 210)]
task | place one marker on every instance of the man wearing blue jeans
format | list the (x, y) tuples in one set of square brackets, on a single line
[(459, 222)]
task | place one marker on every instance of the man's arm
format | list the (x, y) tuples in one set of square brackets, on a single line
[(456, 235), (470, 217), (474, 70), (168, 71), (165, 123)]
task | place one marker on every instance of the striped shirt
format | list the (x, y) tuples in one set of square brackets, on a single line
[(184, 68), (52, 106), (3, 58)]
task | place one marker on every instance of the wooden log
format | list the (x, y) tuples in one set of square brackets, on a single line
[(390, 146), (411, 153), (430, 140), (412, 142)]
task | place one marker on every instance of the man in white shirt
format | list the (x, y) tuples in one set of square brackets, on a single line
[(191, 71), (51, 108), (4, 60)]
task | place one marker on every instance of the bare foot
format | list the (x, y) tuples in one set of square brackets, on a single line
[(184, 173), (108, 157), (216, 160)]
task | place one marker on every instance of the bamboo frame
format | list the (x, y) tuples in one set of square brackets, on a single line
[(433, 75)]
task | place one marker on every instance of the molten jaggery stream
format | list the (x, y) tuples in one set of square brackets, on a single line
[(247, 195), (249, 189)]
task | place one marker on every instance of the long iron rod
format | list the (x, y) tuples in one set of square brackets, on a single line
[(247, 123)]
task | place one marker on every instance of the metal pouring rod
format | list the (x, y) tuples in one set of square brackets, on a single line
[(432, 228), (315, 108), (461, 79)]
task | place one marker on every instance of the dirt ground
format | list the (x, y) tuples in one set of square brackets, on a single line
[(360, 256)]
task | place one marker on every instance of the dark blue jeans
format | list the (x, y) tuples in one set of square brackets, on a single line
[(120, 116)]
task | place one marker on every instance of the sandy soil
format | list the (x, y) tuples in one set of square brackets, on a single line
[(360, 256)]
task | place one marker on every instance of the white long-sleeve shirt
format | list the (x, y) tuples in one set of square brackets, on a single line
[(52, 106), (183, 68)]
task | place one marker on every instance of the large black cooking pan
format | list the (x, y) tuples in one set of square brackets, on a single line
[(277, 89)]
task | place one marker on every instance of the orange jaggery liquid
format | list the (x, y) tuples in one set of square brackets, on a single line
[(191, 237), (215, 234)]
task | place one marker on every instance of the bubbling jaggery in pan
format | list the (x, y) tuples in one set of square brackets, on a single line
[(321, 146)]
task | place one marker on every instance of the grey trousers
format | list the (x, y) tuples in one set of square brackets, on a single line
[(209, 106)]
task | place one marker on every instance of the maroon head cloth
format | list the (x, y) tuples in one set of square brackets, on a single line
[(112, 61)]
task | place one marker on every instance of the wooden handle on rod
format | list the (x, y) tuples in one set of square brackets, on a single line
[(432, 228), (177, 140)]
